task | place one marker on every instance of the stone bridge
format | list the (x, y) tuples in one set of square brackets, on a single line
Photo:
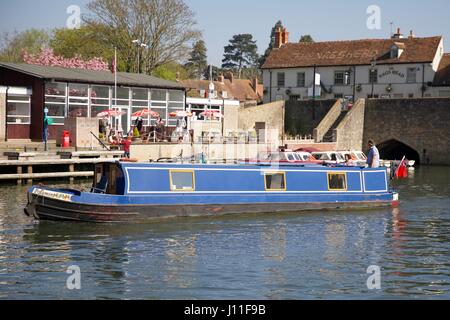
[(416, 128)]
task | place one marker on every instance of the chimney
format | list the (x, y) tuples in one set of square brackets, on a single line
[(284, 37), (398, 35), (278, 38), (411, 35)]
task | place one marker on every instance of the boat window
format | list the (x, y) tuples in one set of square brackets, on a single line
[(182, 181), (275, 181), (290, 157), (337, 181)]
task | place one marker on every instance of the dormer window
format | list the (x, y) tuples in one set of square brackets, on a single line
[(397, 50)]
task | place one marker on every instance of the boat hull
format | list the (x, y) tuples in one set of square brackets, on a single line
[(43, 208)]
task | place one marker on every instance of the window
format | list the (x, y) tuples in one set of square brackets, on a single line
[(55, 101), (78, 100), (18, 109), (281, 79), (100, 99), (411, 75), (294, 98), (411, 95), (339, 77), (301, 80), (275, 181), (159, 95), (337, 182), (182, 181), (338, 96), (373, 76)]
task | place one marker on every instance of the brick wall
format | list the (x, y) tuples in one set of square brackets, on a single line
[(302, 119)]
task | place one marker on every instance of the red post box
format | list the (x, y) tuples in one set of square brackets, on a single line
[(65, 139)]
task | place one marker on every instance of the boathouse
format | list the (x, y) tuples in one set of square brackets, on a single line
[(27, 90)]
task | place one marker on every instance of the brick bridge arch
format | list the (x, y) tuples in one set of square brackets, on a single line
[(396, 150)]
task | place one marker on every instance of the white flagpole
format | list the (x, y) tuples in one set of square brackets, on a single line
[(115, 86)]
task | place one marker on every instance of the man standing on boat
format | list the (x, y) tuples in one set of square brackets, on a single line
[(373, 159)]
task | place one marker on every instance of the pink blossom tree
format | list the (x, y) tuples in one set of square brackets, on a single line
[(46, 57)]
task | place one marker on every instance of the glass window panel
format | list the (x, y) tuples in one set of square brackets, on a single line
[(78, 101), (182, 181), (337, 181), (55, 88), (122, 103), (140, 94), (176, 106), (78, 90), (159, 104), (56, 110), (18, 109), (58, 121), (275, 181), (159, 95), (123, 93), (18, 120), (103, 102), (100, 92), (18, 98), (76, 111), (176, 95), (140, 104), (55, 100)]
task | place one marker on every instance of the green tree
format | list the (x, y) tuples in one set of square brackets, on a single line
[(306, 38), (197, 63), (13, 44), (171, 71), (241, 53), (166, 27), (87, 42), (263, 58)]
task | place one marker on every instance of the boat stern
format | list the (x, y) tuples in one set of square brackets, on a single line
[(395, 199)]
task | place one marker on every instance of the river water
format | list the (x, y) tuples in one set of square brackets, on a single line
[(323, 255)]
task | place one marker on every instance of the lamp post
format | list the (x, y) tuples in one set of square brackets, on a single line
[(372, 72), (139, 44)]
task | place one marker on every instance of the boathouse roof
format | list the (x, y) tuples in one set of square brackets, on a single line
[(353, 52), (90, 76)]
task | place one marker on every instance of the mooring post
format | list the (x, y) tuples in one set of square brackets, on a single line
[(30, 171), (19, 171)]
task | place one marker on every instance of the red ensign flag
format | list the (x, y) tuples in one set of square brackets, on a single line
[(402, 170)]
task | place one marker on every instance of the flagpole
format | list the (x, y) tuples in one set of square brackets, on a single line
[(115, 83)]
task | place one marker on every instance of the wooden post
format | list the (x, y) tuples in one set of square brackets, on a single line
[(19, 171), (30, 171), (72, 169)]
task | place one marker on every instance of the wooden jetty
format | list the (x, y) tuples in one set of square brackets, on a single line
[(22, 166)]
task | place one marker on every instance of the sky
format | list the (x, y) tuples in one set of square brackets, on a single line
[(220, 20)]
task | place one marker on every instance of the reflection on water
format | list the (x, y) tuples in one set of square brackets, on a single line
[(294, 256)]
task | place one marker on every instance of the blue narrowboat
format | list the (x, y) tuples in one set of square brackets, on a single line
[(139, 192)]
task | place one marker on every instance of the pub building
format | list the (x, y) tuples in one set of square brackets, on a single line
[(27, 90)]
